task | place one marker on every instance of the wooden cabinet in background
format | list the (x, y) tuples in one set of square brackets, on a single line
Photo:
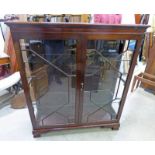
[(150, 58)]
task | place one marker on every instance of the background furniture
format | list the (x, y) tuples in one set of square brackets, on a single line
[(8, 46), (4, 65), (8, 81), (85, 18), (150, 59), (143, 78), (4, 59), (64, 106)]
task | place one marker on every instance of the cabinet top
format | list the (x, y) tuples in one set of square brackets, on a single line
[(75, 25), (44, 30)]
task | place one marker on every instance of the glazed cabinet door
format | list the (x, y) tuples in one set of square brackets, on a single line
[(51, 67), (105, 73)]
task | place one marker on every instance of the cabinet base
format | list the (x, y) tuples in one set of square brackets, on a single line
[(37, 132), (116, 127)]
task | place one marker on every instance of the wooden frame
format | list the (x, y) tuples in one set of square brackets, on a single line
[(143, 78), (4, 60), (82, 33)]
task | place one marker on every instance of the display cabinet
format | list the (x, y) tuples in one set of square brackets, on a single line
[(86, 85)]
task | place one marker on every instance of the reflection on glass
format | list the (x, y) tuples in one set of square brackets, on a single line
[(104, 79), (52, 68)]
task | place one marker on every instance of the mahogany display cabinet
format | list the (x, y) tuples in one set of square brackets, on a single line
[(88, 72)]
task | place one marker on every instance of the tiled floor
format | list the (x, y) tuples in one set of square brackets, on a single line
[(137, 123)]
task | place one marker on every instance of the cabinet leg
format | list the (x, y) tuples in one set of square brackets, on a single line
[(36, 134), (115, 127)]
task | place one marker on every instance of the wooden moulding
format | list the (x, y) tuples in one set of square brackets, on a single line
[(39, 131)]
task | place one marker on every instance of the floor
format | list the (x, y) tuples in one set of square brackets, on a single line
[(137, 123)]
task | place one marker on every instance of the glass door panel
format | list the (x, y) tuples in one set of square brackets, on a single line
[(51, 69), (104, 79)]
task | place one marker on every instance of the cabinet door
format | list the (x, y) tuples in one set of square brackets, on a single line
[(52, 68), (104, 79)]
